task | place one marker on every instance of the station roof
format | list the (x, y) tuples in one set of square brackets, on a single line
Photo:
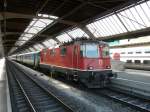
[(31, 25)]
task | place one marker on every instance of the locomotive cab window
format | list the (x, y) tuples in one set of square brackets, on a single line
[(89, 50), (105, 51), (63, 51)]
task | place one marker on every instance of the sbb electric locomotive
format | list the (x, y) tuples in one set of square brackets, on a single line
[(86, 61)]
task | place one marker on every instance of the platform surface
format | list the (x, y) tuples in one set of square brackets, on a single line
[(4, 95), (136, 75)]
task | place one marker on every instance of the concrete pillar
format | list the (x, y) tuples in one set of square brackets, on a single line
[(1, 44)]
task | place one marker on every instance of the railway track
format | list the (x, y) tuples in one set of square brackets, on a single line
[(137, 103), (28, 96)]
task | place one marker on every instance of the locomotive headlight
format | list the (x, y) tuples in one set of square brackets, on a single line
[(108, 67), (90, 68)]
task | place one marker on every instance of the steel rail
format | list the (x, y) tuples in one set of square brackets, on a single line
[(66, 107), (31, 108), (132, 101)]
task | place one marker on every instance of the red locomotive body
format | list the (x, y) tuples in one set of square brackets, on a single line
[(87, 61)]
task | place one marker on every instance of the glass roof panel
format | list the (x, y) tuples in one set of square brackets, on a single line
[(39, 24), (115, 25), (47, 43), (46, 21), (33, 22), (27, 50), (33, 30), (77, 33), (146, 10), (35, 26), (141, 14), (123, 15), (137, 17), (36, 47), (32, 49), (28, 35), (52, 41), (24, 38), (41, 46), (108, 26), (127, 19), (118, 22), (64, 38), (98, 29)]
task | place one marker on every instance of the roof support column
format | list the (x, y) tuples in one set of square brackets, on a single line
[(1, 44)]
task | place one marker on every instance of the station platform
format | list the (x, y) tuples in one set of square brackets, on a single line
[(136, 75), (5, 105), (133, 81)]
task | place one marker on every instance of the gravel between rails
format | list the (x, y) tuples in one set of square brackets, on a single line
[(81, 100)]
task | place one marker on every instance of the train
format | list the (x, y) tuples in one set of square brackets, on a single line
[(137, 55), (85, 61), (133, 57)]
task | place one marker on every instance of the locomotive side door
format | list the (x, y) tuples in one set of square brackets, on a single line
[(75, 61), (75, 57), (36, 59)]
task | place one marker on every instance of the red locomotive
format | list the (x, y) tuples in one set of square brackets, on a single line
[(87, 61)]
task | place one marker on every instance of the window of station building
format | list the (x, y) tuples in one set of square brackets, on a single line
[(129, 61), (147, 52), (138, 52), (63, 51), (130, 52), (52, 52), (122, 52)]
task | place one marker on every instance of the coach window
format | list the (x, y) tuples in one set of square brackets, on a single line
[(138, 52), (147, 52), (52, 52), (63, 51), (130, 52)]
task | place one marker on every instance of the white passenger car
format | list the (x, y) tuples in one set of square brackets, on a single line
[(133, 54)]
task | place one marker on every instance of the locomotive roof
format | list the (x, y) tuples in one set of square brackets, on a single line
[(84, 40)]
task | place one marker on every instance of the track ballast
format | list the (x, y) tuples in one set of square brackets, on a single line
[(27, 95)]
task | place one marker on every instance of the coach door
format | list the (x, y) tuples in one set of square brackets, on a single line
[(75, 57), (36, 59)]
